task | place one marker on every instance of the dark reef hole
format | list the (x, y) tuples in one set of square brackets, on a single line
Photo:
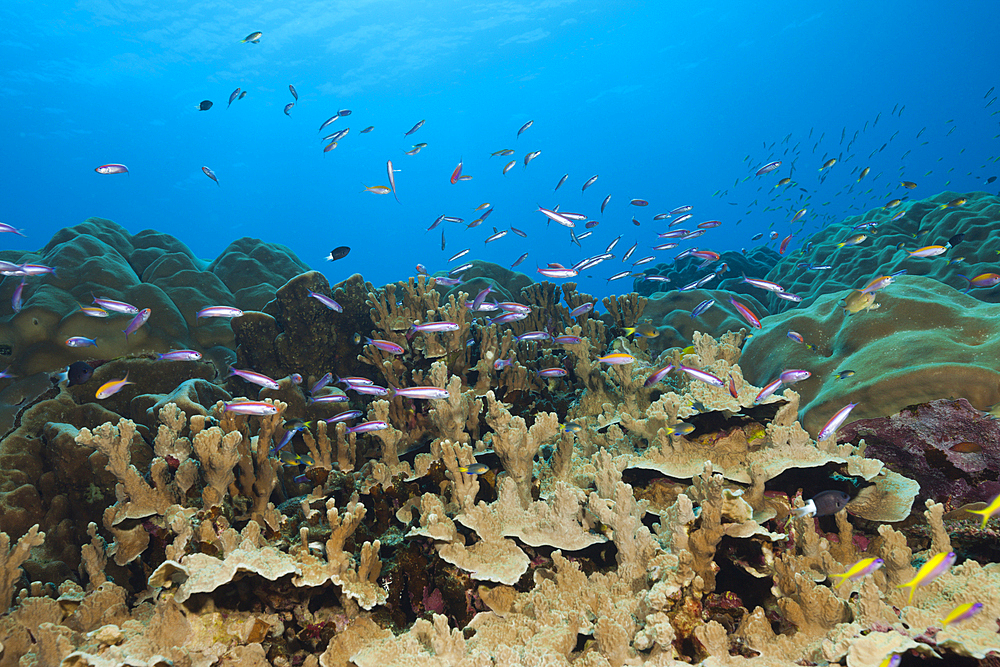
[(751, 591), (581, 643), (813, 481)]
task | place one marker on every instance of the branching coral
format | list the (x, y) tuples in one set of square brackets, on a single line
[(136, 498), (455, 418), (11, 559), (516, 444)]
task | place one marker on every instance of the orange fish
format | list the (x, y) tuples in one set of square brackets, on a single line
[(455, 175)]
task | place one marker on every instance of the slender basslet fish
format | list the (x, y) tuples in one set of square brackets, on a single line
[(862, 568), (328, 121), (962, 612), (557, 217), (258, 379), (211, 174), (836, 421), (327, 301), (112, 168), (987, 512), (703, 376), (116, 306), (746, 313), (140, 318), (214, 311), (457, 174), (767, 168), (257, 408), (425, 393), (392, 179)]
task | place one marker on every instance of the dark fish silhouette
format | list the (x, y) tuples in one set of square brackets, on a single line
[(78, 372), (338, 253), (824, 503), (205, 105)]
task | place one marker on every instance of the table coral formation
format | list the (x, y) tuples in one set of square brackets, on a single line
[(491, 492)]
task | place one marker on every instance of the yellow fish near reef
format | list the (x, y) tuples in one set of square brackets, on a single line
[(645, 330), (961, 613), (857, 301), (861, 568), (992, 509), (929, 571)]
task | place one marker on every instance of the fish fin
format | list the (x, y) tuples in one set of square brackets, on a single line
[(806, 510)]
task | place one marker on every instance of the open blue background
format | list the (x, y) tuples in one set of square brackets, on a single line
[(665, 100)]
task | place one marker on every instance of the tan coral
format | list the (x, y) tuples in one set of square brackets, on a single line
[(11, 560), (496, 559), (558, 522), (464, 486), (356, 582), (342, 450), (455, 418), (516, 444), (136, 499), (434, 520), (218, 454)]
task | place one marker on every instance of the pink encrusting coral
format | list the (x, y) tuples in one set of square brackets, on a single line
[(515, 517)]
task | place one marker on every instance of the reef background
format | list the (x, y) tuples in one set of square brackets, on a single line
[(154, 526)]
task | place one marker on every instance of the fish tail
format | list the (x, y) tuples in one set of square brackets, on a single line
[(843, 578), (986, 516), (912, 585)]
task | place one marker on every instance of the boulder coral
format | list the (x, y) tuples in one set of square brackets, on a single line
[(924, 341), (149, 269), (890, 234)]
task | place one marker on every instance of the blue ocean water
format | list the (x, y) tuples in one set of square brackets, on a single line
[(674, 103)]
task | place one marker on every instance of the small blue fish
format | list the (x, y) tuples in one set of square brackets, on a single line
[(80, 341), (702, 307)]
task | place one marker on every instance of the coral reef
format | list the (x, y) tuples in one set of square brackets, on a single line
[(475, 496), (925, 222), (925, 341), (149, 269)]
